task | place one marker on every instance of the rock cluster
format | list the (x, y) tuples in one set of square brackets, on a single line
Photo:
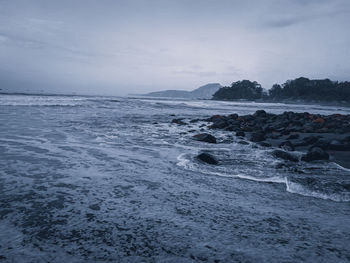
[(265, 125), (313, 133)]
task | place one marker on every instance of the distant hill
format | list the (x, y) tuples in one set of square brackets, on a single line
[(203, 92)]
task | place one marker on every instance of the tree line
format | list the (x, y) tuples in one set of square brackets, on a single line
[(302, 89)]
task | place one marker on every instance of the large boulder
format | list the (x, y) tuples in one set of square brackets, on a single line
[(207, 158), (285, 156), (260, 113), (205, 137), (315, 154), (219, 124)]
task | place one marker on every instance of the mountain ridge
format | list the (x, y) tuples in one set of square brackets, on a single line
[(203, 92)]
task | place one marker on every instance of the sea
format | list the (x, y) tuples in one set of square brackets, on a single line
[(111, 179)]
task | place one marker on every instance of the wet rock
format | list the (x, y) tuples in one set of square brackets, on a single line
[(293, 136), (346, 139), (285, 156), (207, 158), (219, 124), (289, 167), (233, 116), (260, 113), (243, 142), (240, 133), (336, 145), (258, 136), (215, 118), (205, 137), (319, 120), (309, 140), (195, 120), (287, 146), (274, 135), (314, 154), (178, 121), (264, 144), (323, 144)]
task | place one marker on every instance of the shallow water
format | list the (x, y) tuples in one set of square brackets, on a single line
[(110, 179)]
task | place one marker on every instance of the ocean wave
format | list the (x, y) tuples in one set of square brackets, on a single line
[(188, 164), (296, 188), (291, 187), (42, 105)]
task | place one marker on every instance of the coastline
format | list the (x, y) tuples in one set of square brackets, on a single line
[(318, 137)]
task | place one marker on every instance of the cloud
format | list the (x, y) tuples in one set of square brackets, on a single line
[(170, 44), (284, 22)]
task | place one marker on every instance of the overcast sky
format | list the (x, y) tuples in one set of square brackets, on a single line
[(134, 46)]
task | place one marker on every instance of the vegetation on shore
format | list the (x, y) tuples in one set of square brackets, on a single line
[(300, 89)]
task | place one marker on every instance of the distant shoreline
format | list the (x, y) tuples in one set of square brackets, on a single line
[(135, 96)]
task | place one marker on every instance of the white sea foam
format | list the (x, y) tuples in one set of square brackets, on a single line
[(296, 188), (341, 167), (291, 187)]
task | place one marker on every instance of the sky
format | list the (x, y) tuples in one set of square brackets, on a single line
[(119, 47)]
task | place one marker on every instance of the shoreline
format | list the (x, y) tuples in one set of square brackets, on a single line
[(319, 137)]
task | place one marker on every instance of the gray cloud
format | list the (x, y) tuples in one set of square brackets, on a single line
[(123, 46)]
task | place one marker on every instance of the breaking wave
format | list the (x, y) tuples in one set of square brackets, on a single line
[(328, 192)]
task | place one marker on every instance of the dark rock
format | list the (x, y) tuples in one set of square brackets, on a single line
[(207, 158), (231, 128), (258, 136), (205, 137), (178, 121), (215, 118), (336, 145), (219, 124), (289, 167), (293, 136), (274, 135), (347, 139), (240, 133), (323, 144), (286, 145), (233, 116), (309, 140), (314, 154), (260, 113), (243, 142), (264, 144), (194, 120), (285, 156)]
